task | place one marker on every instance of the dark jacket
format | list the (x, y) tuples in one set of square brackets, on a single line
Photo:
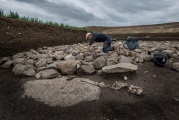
[(100, 37)]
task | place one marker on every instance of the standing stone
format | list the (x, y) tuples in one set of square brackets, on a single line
[(168, 52)]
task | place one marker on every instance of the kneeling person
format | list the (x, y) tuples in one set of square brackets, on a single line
[(100, 37)]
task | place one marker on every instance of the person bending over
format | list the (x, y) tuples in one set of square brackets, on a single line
[(100, 37)]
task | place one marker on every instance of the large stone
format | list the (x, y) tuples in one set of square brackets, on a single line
[(89, 58), (61, 92), (29, 62), (67, 67), (112, 61), (50, 73), (18, 55), (99, 62), (3, 60), (59, 53), (75, 52), (49, 60), (176, 66), (41, 62), (7, 64), (24, 70), (19, 61), (79, 57), (36, 57), (69, 57), (168, 52), (88, 69), (124, 59), (120, 68)]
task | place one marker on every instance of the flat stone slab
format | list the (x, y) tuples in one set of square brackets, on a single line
[(119, 68), (61, 92)]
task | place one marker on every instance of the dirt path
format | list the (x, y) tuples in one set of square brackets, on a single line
[(159, 102)]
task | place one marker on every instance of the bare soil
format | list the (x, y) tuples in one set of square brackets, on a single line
[(160, 100), (17, 36)]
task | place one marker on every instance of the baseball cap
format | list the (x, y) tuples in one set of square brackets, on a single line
[(87, 34)]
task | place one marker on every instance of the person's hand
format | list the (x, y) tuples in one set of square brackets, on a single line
[(88, 47)]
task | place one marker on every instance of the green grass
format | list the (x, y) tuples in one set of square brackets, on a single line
[(15, 15)]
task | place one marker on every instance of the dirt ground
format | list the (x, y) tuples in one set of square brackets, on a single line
[(17, 36), (160, 100)]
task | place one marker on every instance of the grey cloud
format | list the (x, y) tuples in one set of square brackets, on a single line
[(107, 12)]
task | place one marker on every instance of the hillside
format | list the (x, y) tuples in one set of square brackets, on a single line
[(157, 32), (17, 35), (155, 28)]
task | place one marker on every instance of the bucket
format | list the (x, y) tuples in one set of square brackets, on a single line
[(159, 59)]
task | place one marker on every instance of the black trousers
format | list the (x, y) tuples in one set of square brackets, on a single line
[(107, 46)]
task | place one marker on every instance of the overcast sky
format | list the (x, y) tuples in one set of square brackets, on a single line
[(83, 13)]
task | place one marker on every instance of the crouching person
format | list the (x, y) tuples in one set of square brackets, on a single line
[(100, 37)]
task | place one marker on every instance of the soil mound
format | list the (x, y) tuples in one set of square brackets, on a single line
[(17, 35)]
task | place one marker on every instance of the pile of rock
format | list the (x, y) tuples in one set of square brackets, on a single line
[(51, 62)]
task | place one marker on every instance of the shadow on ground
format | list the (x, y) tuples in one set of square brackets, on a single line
[(160, 100)]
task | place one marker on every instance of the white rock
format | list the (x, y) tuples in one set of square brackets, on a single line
[(125, 78), (135, 90)]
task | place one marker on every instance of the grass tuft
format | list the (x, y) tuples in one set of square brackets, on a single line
[(15, 15)]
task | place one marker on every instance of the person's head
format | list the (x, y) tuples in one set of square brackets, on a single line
[(88, 36)]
